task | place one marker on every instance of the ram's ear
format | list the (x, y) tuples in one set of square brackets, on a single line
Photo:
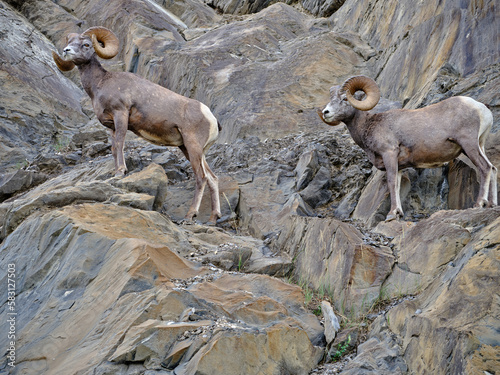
[(62, 64)]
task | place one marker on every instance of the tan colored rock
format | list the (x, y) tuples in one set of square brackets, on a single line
[(18, 210), (152, 180), (79, 186), (262, 353), (151, 338), (135, 200)]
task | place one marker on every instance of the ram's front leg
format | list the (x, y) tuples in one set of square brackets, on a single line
[(118, 142), (394, 184)]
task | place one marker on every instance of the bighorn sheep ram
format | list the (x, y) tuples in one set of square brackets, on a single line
[(124, 101), (422, 138)]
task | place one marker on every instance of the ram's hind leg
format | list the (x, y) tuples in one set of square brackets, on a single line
[(213, 185), (203, 175), (487, 172), (194, 155), (493, 192)]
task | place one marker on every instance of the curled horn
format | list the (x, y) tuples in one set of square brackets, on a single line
[(365, 84), (62, 64), (108, 39)]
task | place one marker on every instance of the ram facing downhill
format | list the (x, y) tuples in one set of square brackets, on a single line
[(421, 138), (124, 101)]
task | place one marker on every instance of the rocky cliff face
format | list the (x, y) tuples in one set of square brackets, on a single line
[(101, 276)]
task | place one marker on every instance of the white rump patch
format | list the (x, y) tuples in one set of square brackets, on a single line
[(214, 127), (485, 115)]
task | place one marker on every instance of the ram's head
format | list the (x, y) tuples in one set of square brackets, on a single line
[(80, 47)]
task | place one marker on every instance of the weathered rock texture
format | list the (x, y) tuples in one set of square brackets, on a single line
[(111, 285), (110, 281), (455, 317)]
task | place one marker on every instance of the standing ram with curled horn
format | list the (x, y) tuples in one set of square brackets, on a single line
[(124, 101), (422, 138)]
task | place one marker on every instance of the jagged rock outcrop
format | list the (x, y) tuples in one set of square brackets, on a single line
[(109, 280), (317, 7), (453, 320)]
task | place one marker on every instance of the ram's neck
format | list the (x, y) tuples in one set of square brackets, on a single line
[(91, 74), (357, 127)]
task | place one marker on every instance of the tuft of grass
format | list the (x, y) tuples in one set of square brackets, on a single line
[(241, 263), (308, 292)]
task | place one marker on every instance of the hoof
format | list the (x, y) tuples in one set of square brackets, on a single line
[(481, 204), (394, 215), (190, 215), (188, 220), (390, 217), (213, 220)]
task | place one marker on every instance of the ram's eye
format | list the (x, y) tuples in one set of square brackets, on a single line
[(86, 45)]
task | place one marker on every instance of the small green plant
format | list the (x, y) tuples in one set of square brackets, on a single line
[(61, 144), (325, 291), (22, 164), (341, 349), (317, 311)]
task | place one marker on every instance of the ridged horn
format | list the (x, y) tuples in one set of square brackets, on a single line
[(62, 64), (105, 36), (365, 84)]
